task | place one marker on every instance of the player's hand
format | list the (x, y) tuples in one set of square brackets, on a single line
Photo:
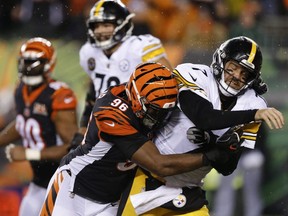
[(76, 141), (231, 139), (198, 136), (215, 156), (273, 117), (15, 153)]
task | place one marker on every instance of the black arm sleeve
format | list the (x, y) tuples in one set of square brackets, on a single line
[(89, 103), (204, 116)]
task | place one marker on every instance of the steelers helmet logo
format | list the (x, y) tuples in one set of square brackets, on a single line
[(179, 201), (91, 64)]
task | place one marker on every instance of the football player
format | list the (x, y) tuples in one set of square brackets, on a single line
[(91, 178), (45, 122), (111, 53), (213, 98)]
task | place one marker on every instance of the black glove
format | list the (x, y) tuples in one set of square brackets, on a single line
[(76, 141), (214, 156), (198, 136), (230, 140)]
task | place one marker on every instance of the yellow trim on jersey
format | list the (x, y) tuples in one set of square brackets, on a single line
[(150, 55), (182, 81), (150, 46), (250, 131), (252, 52), (97, 10), (247, 137)]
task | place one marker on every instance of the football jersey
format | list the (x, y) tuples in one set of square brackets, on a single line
[(34, 122), (100, 168), (109, 71), (200, 79)]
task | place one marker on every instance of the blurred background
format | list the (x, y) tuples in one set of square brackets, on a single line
[(190, 30)]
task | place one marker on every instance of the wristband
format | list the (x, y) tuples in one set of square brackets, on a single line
[(32, 154)]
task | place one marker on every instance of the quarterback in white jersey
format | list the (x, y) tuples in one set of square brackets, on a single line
[(209, 100)]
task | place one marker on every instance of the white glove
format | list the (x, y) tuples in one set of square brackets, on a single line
[(198, 136)]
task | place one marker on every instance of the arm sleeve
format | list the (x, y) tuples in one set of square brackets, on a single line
[(89, 103), (204, 116)]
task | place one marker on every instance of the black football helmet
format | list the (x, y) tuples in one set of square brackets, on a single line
[(246, 53), (110, 11)]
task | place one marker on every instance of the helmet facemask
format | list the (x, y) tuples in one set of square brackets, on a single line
[(152, 91), (243, 51), (110, 12), (151, 115), (31, 71), (225, 87), (36, 61)]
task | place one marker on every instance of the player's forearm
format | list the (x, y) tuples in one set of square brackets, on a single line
[(168, 165), (204, 116), (9, 134), (54, 152)]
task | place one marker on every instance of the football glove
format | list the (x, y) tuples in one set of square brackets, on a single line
[(214, 156), (76, 141), (231, 139), (198, 136)]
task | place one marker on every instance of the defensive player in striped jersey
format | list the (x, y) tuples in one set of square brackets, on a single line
[(111, 54), (46, 120), (91, 178), (211, 98)]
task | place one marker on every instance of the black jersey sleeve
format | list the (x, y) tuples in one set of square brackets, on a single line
[(204, 116), (89, 103)]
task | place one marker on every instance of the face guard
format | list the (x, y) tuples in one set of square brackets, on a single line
[(152, 115), (153, 92), (107, 11), (246, 53), (37, 59), (227, 90)]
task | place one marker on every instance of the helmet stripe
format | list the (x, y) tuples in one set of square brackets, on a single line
[(97, 9), (253, 52)]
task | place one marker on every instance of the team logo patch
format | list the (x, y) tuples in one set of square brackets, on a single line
[(179, 201), (40, 109), (124, 65), (91, 64)]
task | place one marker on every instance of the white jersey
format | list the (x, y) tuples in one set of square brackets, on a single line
[(172, 138), (106, 72)]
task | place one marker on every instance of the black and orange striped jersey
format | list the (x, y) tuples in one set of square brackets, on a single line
[(34, 122), (100, 167)]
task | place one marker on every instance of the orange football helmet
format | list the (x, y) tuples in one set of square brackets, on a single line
[(37, 59), (153, 91)]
